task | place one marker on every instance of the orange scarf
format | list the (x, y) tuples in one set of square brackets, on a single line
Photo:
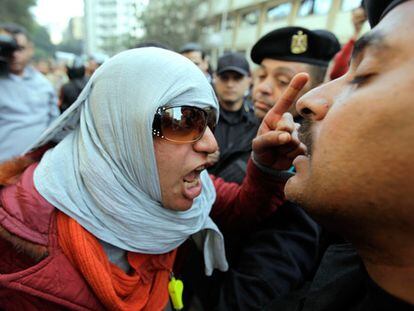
[(143, 289)]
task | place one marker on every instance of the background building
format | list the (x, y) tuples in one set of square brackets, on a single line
[(234, 25), (75, 29), (111, 25)]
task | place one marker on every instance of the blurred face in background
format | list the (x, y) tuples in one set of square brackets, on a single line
[(230, 87), (22, 56), (43, 66), (91, 67), (197, 58)]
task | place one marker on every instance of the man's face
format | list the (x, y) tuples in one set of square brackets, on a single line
[(179, 169), (197, 58), (22, 56), (271, 79), (360, 172), (230, 88), (92, 66)]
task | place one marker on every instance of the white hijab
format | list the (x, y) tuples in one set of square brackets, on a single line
[(104, 172)]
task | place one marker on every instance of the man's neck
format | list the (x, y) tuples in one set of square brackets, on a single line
[(392, 268), (19, 73), (231, 106)]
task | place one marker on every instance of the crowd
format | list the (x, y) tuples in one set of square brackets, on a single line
[(152, 182)]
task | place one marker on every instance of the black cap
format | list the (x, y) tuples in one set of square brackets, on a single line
[(377, 9), (233, 62), (297, 44)]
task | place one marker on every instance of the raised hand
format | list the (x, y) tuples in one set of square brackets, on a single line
[(277, 142)]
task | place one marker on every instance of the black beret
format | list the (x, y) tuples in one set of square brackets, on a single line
[(297, 44), (377, 9)]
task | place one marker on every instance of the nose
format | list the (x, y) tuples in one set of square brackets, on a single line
[(207, 144), (265, 87), (315, 104), (231, 82)]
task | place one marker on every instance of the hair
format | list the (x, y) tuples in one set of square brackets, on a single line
[(317, 74), (152, 44), (193, 47), (75, 72), (15, 29)]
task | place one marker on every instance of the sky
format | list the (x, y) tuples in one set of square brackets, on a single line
[(55, 15)]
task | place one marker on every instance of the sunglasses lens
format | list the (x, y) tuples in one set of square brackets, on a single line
[(183, 124), (212, 119)]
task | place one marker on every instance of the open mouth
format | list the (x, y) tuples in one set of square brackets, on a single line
[(192, 183)]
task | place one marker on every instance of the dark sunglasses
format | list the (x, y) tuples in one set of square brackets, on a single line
[(183, 124)]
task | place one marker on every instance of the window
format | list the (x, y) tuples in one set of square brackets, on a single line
[(316, 7), (278, 12), (230, 22), (250, 18), (209, 28), (348, 5)]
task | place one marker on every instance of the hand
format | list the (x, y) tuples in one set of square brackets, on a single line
[(277, 144), (213, 158)]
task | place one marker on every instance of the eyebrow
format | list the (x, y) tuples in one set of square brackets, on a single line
[(370, 40)]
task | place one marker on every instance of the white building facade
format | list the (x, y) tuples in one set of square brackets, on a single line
[(108, 21)]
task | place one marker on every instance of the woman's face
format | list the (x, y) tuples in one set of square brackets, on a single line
[(179, 167)]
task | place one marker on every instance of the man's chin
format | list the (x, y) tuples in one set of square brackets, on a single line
[(230, 101), (295, 189), (291, 190), (16, 69)]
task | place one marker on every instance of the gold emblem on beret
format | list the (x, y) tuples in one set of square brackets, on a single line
[(299, 43)]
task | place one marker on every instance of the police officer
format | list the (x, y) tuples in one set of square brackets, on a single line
[(237, 124)]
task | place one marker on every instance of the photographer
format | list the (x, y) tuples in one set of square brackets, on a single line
[(7, 47), (28, 102)]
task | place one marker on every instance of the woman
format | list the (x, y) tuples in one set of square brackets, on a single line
[(94, 223)]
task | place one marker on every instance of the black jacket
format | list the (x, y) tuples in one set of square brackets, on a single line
[(341, 283)]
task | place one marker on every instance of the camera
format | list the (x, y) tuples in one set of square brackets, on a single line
[(7, 46)]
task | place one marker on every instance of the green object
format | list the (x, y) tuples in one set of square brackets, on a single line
[(175, 288)]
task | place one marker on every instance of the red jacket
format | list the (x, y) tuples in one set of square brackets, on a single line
[(36, 275)]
